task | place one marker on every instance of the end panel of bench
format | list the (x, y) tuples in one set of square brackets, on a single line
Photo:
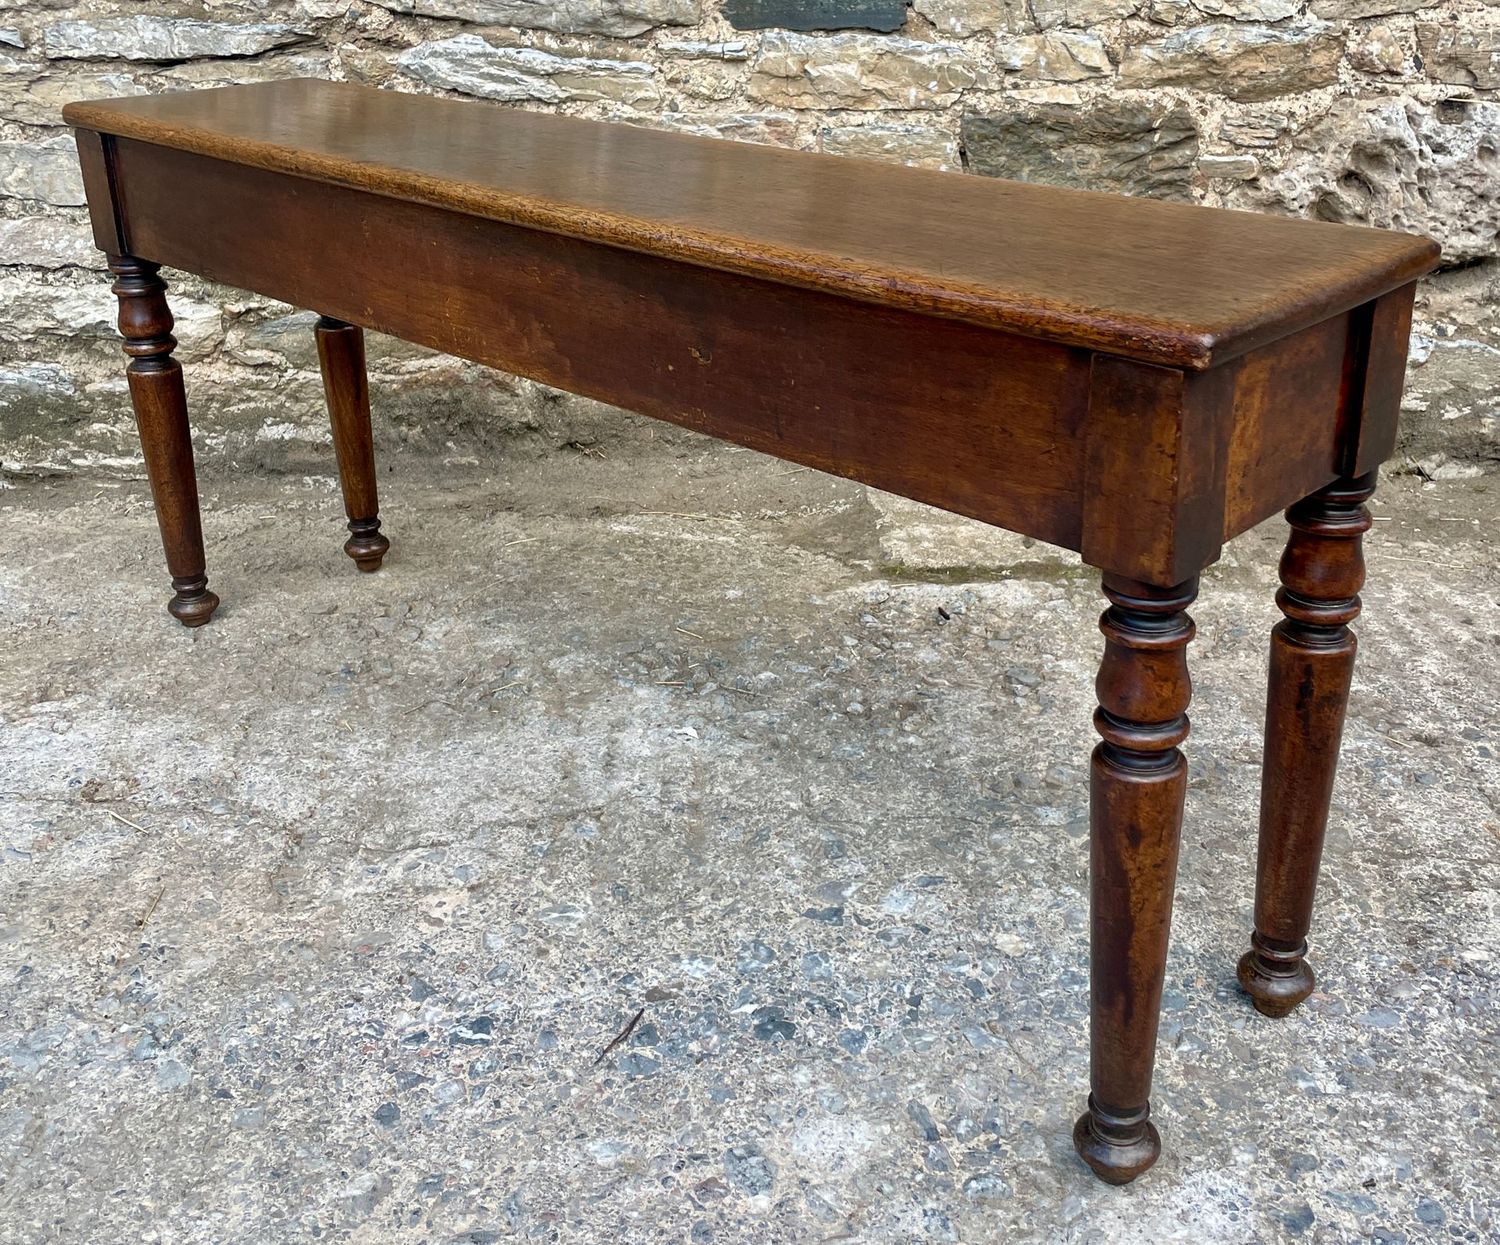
[(96, 161), (1180, 462), (1377, 380), (967, 418)]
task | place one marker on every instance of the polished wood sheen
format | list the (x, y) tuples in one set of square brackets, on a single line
[(1137, 381), (1162, 282), (1312, 666), (1139, 782), (156, 392), (341, 356)]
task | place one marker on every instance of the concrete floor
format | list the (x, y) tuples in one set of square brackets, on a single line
[(318, 924)]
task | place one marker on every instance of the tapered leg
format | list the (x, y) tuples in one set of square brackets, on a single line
[(1138, 782), (341, 352), (160, 404), (1312, 663)]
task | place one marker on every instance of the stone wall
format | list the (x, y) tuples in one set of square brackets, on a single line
[(1372, 111)]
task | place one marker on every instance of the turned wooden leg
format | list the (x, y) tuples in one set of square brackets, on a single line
[(1138, 781), (341, 353), (1312, 663), (161, 416)]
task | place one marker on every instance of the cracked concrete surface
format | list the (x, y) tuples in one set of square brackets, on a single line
[(319, 923)]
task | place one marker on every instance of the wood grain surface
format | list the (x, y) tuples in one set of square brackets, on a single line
[(1159, 282)]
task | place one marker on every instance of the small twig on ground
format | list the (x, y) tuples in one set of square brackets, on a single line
[(685, 631), (141, 922), (125, 821), (620, 1036)]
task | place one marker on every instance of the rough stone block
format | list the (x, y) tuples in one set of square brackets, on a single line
[(709, 82), (1257, 128), (1451, 414), (282, 341), (35, 98), (51, 307), (1248, 62), (51, 241), (618, 18), (1354, 10), (925, 146), (774, 129), (212, 73), (1123, 145), (862, 71), (46, 172), (698, 49), (1233, 168), (974, 17), (1081, 13), (708, 71), (22, 383), (1467, 54), (1464, 301), (1381, 49), (1060, 56), (1397, 164), (469, 64), (145, 38), (1169, 12), (1250, 10)]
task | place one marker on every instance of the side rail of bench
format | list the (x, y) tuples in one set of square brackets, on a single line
[(1145, 470)]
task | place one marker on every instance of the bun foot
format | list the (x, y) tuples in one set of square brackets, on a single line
[(1118, 1147), (1276, 981), (192, 603), (366, 546)]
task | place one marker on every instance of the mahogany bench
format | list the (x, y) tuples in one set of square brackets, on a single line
[(1135, 380)]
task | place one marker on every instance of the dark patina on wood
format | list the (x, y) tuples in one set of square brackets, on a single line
[(341, 356), (161, 415), (1138, 784), (1136, 380), (1312, 666)]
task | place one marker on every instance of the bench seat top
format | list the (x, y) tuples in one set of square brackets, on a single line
[(1164, 283)]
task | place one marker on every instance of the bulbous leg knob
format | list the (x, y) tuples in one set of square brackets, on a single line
[(161, 417), (1276, 980), (366, 545), (1117, 1145), (1311, 668), (192, 604)]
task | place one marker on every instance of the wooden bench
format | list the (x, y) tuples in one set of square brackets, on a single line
[(1134, 380)]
